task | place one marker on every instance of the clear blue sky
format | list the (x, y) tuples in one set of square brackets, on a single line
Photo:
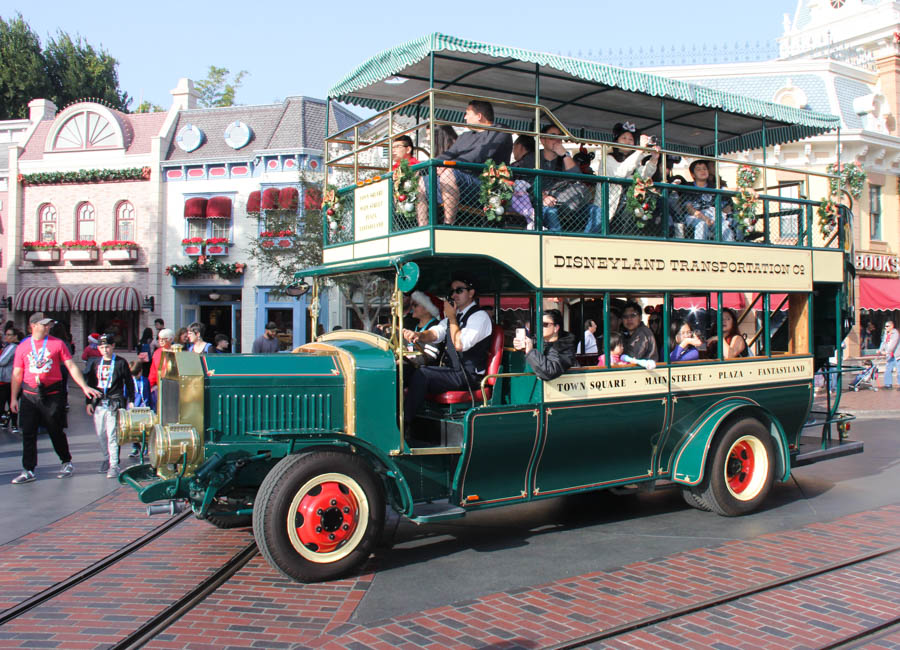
[(293, 48)]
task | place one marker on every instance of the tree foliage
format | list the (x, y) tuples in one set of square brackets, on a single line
[(148, 107), (365, 293), (66, 70), (23, 74), (216, 90), (78, 71)]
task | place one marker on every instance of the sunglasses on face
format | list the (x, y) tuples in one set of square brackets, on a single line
[(458, 290), (546, 324)]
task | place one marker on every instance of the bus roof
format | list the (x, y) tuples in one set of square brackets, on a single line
[(585, 95)]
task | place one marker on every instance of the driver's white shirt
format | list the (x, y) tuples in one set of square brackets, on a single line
[(478, 327)]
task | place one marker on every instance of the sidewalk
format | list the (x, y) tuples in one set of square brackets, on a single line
[(28, 507), (866, 401)]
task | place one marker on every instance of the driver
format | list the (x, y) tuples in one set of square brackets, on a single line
[(466, 332)]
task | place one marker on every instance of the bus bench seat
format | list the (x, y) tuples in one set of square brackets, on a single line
[(495, 356)]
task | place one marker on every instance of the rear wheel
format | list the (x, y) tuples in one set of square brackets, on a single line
[(740, 473), (694, 499), (318, 516)]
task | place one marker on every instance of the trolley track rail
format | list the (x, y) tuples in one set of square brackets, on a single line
[(186, 603), (650, 621), (76, 579)]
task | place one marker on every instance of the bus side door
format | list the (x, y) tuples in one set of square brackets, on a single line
[(609, 437)]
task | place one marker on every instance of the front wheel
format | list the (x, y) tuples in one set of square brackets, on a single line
[(740, 473), (318, 516)]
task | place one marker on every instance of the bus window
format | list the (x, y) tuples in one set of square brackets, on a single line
[(789, 323), (515, 312), (641, 325), (695, 313)]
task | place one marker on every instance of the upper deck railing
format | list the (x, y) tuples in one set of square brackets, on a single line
[(747, 203)]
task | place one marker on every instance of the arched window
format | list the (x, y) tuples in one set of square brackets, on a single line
[(47, 222), (125, 221), (85, 225)]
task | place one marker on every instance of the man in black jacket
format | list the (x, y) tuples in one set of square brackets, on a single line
[(110, 375), (474, 146), (559, 348)]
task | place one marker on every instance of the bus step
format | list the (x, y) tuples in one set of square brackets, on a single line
[(811, 450), (426, 513)]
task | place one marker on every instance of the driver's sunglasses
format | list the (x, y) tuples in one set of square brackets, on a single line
[(458, 290)]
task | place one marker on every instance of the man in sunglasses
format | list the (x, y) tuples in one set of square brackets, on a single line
[(559, 348), (466, 332)]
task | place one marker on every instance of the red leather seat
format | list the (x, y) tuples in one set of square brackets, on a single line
[(495, 356)]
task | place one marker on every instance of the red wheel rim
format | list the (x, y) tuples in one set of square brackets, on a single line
[(326, 517), (741, 462)]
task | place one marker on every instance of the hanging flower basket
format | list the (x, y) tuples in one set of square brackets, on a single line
[(217, 246), (828, 212)]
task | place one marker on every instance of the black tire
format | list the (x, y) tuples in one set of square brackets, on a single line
[(741, 470), (694, 499), (229, 504), (344, 505)]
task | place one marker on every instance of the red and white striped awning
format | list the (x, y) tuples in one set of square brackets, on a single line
[(43, 299), (107, 299)]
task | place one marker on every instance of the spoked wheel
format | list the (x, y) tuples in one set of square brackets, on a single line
[(318, 516), (740, 473)]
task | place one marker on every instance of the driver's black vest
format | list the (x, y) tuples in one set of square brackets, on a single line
[(473, 360)]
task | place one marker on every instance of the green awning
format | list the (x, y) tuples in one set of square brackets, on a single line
[(587, 96)]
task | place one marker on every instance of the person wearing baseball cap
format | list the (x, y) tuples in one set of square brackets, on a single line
[(110, 374), (37, 372)]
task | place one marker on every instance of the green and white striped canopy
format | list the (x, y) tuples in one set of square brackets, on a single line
[(588, 97)]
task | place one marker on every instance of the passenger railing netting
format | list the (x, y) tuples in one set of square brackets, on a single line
[(589, 204)]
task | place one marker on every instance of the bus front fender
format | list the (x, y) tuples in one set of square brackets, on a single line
[(690, 460)]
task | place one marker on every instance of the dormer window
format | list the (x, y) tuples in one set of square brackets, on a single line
[(84, 127)]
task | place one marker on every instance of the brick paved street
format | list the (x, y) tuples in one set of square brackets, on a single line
[(518, 577)]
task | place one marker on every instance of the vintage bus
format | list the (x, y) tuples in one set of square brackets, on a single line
[(313, 446)]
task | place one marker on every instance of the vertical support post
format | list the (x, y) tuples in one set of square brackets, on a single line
[(667, 218), (767, 350), (325, 180), (765, 174), (606, 330), (432, 170), (356, 154), (719, 342), (715, 171)]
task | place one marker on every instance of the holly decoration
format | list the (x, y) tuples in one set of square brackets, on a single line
[(640, 200), (852, 179), (406, 189), (496, 190)]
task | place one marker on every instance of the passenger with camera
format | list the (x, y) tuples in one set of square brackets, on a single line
[(37, 371), (623, 163), (558, 354), (466, 332)]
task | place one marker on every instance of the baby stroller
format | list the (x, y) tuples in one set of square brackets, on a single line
[(867, 377)]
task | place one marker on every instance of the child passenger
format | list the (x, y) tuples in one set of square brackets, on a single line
[(616, 350)]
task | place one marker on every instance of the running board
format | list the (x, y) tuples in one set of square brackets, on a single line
[(427, 513), (834, 449)]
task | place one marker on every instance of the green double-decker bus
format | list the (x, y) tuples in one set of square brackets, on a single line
[(312, 447)]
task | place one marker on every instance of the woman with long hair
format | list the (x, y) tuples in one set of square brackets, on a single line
[(733, 344)]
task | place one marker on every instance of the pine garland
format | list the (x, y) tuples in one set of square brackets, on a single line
[(206, 265), (406, 188), (747, 200), (86, 176), (496, 190), (640, 201), (853, 178), (828, 213)]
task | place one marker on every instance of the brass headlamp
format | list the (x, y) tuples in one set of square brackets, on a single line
[(175, 443), (134, 423)]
